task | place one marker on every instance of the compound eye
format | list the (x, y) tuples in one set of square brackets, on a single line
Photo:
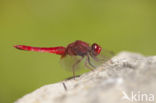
[(96, 49)]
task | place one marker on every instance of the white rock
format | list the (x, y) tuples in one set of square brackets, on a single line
[(129, 77)]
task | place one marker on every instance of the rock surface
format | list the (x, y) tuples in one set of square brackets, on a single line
[(129, 77)]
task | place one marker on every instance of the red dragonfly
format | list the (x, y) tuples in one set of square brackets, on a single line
[(78, 49)]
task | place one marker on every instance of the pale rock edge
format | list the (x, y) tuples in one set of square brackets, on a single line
[(111, 82)]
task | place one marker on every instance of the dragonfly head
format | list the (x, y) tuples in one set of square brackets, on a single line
[(95, 49)]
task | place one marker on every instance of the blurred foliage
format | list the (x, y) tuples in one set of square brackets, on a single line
[(117, 25)]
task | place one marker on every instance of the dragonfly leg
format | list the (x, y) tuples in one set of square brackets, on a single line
[(73, 70), (74, 66), (88, 59), (86, 64)]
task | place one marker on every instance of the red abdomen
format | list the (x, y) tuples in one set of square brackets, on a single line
[(57, 50)]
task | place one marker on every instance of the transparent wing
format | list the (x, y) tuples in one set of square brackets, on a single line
[(70, 62), (103, 57), (91, 62)]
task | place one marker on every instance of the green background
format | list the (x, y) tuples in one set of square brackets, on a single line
[(118, 25)]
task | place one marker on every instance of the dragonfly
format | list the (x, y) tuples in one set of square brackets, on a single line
[(77, 50)]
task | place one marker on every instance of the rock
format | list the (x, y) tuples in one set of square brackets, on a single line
[(128, 77)]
